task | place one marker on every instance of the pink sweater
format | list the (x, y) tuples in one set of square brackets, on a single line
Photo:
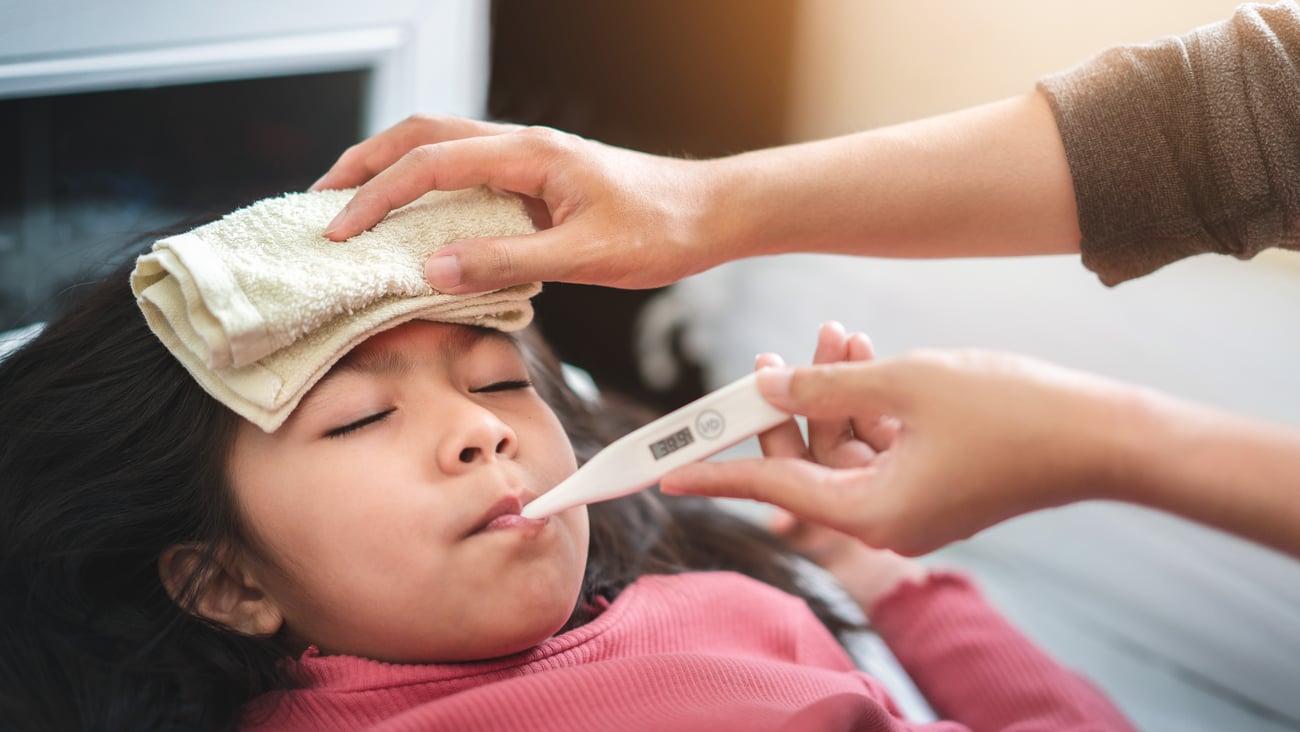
[(712, 652)]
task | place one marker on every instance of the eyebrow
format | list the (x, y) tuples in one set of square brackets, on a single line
[(381, 361), (392, 361)]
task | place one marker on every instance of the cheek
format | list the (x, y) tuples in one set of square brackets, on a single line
[(557, 462), (552, 577), (577, 527), (550, 445), (578, 524), (524, 601)]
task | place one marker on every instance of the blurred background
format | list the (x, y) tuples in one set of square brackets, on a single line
[(124, 118)]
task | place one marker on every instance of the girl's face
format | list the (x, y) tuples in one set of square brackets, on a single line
[(377, 503)]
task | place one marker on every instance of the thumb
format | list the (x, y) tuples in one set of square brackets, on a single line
[(491, 263), (810, 491), (864, 390)]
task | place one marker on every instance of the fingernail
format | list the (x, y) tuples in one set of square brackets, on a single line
[(443, 272), (774, 383), (338, 220)]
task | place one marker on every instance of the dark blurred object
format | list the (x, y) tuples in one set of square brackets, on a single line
[(693, 78), (678, 77), (88, 171)]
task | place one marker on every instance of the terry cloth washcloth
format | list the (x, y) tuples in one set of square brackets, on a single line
[(259, 305)]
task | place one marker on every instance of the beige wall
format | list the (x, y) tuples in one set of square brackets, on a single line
[(867, 63), (860, 64)]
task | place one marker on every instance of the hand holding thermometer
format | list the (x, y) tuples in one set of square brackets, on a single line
[(698, 430)]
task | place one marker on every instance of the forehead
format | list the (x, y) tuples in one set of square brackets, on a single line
[(399, 349), (420, 335)]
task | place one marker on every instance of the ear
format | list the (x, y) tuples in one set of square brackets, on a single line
[(226, 592)]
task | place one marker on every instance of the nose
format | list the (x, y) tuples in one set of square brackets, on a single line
[(477, 436)]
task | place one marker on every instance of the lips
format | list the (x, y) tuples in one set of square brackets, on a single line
[(503, 515)]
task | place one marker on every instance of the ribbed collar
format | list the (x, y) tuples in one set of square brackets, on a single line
[(317, 672)]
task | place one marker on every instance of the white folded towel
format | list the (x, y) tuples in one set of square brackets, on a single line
[(259, 305)]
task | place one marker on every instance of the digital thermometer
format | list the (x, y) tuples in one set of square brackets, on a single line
[(698, 430)]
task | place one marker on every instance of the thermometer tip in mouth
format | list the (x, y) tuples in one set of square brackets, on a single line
[(694, 432)]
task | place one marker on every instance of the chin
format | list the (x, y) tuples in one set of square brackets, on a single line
[(515, 622), (519, 642)]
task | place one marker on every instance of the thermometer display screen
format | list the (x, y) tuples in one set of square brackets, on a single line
[(672, 443)]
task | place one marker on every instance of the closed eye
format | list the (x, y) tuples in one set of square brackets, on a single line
[(354, 426), (509, 385)]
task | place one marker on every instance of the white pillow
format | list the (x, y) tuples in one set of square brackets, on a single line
[(12, 340)]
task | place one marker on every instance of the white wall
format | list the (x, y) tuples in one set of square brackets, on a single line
[(426, 55)]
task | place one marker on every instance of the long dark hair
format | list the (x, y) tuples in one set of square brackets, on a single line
[(110, 453)]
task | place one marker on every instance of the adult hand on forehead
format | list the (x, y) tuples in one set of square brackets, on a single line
[(990, 180), (971, 439), (607, 215)]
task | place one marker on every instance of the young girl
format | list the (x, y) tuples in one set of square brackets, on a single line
[(167, 565)]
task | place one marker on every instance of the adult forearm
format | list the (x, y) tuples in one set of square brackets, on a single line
[(987, 181), (1223, 470), (1186, 145)]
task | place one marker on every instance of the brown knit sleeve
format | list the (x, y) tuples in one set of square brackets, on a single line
[(1187, 145)]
